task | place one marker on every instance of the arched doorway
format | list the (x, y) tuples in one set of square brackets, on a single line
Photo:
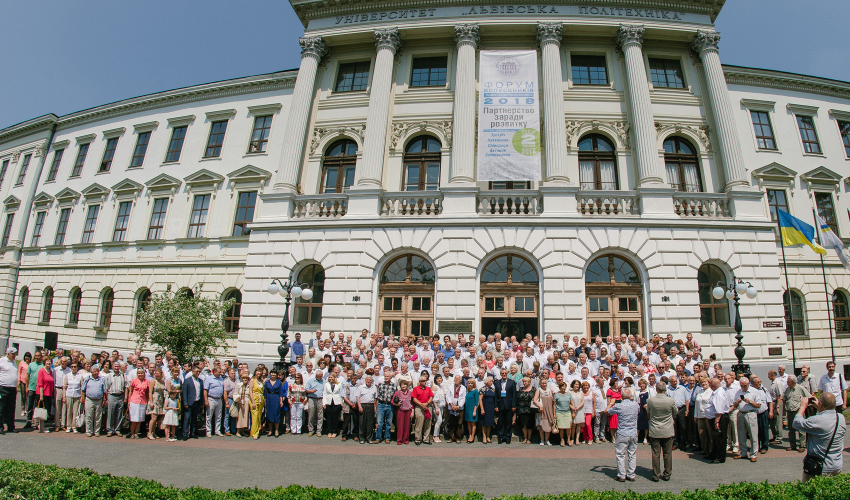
[(614, 298), (406, 297), (510, 297)]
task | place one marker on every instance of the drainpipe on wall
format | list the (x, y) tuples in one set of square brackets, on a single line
[(22, 233)]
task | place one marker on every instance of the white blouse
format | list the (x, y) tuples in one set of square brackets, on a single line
[(701, 402), (73, 384)]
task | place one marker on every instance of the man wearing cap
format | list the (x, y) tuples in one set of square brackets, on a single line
[(8, 390)]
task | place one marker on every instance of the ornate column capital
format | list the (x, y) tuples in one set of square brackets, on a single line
[(629, 34), (705, 40), (549, 32), (388, 38), (313, 46), (467, 33)]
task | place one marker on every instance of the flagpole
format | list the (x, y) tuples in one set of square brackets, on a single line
[(825, 288), (788, 291)]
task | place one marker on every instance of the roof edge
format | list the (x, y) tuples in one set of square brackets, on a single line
[(785, 80), (28, 127)]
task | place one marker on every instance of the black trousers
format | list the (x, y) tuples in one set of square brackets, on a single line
[(350, 423), (190, 419), (32, 399), (331, 415), (506, 426), (691, 436), (367, 423), (764, 430), (718, 439), (680, 429), (454, 425), (8, 399)]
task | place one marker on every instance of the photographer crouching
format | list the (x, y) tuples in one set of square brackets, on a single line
[(825, 442)]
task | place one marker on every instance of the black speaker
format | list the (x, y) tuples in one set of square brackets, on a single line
[(51, 339)]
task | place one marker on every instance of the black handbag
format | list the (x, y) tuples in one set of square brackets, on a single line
[(813, 464)]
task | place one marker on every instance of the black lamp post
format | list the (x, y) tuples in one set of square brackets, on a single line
[(732, 291), (287, 290)]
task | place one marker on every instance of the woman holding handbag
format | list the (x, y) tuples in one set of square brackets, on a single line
[(71, 397), (297, 397), (44, 388), (241, 402)]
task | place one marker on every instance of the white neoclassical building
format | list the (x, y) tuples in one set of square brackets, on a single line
[(365, 174)]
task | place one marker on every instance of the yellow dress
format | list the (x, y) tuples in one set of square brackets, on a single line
[(257, 411)]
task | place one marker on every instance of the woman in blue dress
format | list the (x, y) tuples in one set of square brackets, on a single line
[(471, 408), (488, 409), (274, 394), (643, 418)]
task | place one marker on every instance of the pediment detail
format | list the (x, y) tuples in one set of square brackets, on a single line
[(12, 202), (95, 191), (163, 182), (42, 199), (821, 175), (67, 195), (775, 171), (127, 186), (203, 177), (249, 173)]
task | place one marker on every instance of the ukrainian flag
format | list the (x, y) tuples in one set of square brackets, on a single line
[(797, 232)]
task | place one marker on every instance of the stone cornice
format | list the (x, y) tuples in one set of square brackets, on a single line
[(239, 86), (317, 9), (739, 75), (30, 126)]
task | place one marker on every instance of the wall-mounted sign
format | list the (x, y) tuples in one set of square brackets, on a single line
[(773, 324), (774, 351), (454, 327)]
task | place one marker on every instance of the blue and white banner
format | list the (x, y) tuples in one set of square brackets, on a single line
[(508, 116)]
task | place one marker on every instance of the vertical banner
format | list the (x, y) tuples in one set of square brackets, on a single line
[(508, 116)]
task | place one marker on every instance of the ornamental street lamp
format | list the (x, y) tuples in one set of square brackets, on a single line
[(287, 290), (732, 291)]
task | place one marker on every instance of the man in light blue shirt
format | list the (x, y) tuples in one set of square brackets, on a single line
[(315, 389), (94, 394), (625, 444), (213, 400), (681, 395)]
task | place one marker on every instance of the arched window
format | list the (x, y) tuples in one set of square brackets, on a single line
[(338, 166), (614, 298), (143, 298), (422, 164), (840, 312), (188, 292), (713, 312), (75, 304), (24, 303), (509, 269), (597, 163), (106, 300), (795, 321), (309, 312), (509, 296), (47, 305), (231, 316), (406, 297), (683, 172)]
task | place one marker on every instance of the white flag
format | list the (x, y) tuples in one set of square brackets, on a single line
[(829, 239)]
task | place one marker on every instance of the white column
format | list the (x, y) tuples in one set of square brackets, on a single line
[(649, 170), (705, 44), (463, 139), (388, 42), (295, 132), (554, 128)]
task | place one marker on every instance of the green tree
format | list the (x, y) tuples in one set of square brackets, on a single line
[(188, 326)]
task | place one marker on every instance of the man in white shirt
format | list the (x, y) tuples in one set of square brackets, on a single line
[(59, 373), (746, 402), (834, 383), (8, 390)]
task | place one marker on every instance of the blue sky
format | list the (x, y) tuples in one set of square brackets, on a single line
[(61, 56)]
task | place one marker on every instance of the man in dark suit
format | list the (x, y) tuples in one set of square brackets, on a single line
[(193, 393), (505, 406)]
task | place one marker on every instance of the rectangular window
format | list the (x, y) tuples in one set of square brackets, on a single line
[(175, 145), (23, 173), (260, 135), (54, 167), (392, 303), (160, 207), (3, 170), (826, 211), (140, 149), (108, 154), (763, 129), (420, 304), (352, 76), (81, 159), (510, 185), (91, 222), (216, 139), (198, 221), (428, 71), (806, 124), (36, 230), (589, 70), (776, 200), (244, 213), (843, 129), (666, 73), (7, 229), (494, 304), (64, 215), (120, 232)]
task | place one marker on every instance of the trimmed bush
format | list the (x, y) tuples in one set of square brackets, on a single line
[(22, 480)]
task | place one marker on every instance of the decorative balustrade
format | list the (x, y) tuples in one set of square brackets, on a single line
[(412, 204), (318, 206), (701, 205), (607, 203), (520, 202)]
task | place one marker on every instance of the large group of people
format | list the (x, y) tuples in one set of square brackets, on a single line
[(375, 389)]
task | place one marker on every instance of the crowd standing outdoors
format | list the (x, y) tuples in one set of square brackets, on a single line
[(374, 389)]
